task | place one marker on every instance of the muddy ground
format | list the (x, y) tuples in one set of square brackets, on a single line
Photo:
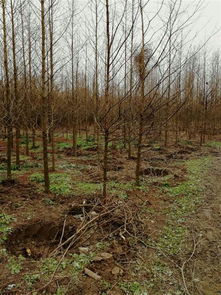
[(162, 238)]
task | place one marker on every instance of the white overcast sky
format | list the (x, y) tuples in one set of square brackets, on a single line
[(210, 20), (206, 24)]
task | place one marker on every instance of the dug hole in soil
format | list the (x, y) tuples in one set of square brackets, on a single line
[(37, 239)]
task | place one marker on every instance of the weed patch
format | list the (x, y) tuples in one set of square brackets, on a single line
[(187, 197), (132, 288), (60, 183), (87, 187), (70, 267), (214, 144), (63, 145), (15, 264), (5, 228), (85, 144)]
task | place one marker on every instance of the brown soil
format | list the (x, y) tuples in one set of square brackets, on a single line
[(124, 224)]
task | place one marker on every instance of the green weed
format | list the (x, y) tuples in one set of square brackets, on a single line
[(172, 239), (133, 288), (187, 196), (60, 183), (87, 187), (5, 227), (102, 245), (63, 145), (15, 264), (72, 266), (84, 144), (2, 166), (161, 271), (61, 291), (28, 165), (31, 279), (49, 202), (37, 177), (214, 144)]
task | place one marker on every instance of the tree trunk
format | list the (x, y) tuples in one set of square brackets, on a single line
[(7, 94), (105, 163), (139, 151), (44, 101)]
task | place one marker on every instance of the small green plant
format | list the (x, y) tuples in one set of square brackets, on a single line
[(48, 266), (161, 269), (132, 288), (214, 144), (3, 253), (15, 264), (5, 227), (105, 285), (172, 239), (37, 177), (102, 245), (24, 158), (85, 144), (31, 279), (2, 166), (60, 183), (28, 165), (68, 166), (15, 167), (87, 187), (63, 145), (63, 188), (49, 202), (72, 266), (156, 147), (80, 261), (61, 291)]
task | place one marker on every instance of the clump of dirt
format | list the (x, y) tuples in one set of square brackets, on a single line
[(36, 239)]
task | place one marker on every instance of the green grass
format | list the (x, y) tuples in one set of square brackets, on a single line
[(132, 288), (63, 145), (71, 267), (187, 197), (15, 264), (122, 189), (5, 228), (214, 144), (87, 187), (172, 239), (2, 166), (60, 183), (85, 144), (82, 143)]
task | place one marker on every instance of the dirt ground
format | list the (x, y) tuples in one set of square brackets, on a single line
[(133, 241)]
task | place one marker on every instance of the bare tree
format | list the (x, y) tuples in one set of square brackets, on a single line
[(7, 94), (44, 117)]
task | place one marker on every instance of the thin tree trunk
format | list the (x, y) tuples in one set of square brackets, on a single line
[(139, 151), (105, 163), (15, 80), (44, 100), (7, 93)]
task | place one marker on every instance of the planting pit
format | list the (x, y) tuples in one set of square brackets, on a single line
[(37, 239)]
